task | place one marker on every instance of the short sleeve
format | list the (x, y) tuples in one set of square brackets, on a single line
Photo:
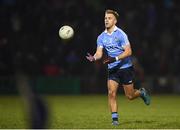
[(125, 40), (99, 41)]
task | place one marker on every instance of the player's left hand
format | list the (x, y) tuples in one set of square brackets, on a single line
[(109, 60)]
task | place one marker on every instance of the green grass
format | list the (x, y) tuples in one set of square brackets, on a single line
[(92, 112)]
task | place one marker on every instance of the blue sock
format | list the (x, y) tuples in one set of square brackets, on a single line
[(141, 93), (114, 116)]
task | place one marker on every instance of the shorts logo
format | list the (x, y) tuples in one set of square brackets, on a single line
[(130, 81)]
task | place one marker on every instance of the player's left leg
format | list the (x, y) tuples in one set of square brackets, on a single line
[(132, 93), (127, 80)]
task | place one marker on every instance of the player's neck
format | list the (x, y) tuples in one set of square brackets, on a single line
[(111, 29)]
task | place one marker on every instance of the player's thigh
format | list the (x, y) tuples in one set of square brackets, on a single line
[(129, 89), (112, 86)]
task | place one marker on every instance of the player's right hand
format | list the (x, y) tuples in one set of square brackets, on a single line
[(90, 57)]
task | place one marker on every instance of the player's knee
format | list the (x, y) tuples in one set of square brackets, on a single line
[(130, 97), (112, 94)]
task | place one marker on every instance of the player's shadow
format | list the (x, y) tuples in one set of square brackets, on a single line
[(138, 122)]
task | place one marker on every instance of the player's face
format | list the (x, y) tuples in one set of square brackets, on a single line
[(109, 20)]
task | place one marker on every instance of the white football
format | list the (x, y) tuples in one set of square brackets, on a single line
[(66, 32)]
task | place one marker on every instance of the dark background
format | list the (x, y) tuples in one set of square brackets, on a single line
[(29, 42)]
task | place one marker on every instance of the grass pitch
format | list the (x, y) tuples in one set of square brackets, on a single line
[(91, 112)]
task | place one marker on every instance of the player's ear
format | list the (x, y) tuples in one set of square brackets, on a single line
[(115, 21)]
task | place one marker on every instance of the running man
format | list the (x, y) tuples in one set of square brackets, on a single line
[(120, 68)]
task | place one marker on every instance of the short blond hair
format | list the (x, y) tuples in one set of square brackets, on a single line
[(109, 11)]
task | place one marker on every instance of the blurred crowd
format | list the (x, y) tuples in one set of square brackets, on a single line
[(29, 35)]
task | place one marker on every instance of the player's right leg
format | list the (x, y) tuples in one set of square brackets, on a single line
[(112, 100)]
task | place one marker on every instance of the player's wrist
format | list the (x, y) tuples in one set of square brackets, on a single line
[(94, 58), (116, 58)]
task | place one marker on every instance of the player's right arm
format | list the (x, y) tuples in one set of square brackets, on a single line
[(99, 53), (96, 56), (99, 50)]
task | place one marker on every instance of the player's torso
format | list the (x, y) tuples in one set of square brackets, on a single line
[(112, 43)]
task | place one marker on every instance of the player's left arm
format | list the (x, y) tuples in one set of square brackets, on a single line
[(127, 52), (126, 46)]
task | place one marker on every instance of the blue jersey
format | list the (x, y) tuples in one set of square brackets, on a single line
[(113, 44)]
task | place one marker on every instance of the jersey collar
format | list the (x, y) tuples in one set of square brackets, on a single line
[(115, 28)]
